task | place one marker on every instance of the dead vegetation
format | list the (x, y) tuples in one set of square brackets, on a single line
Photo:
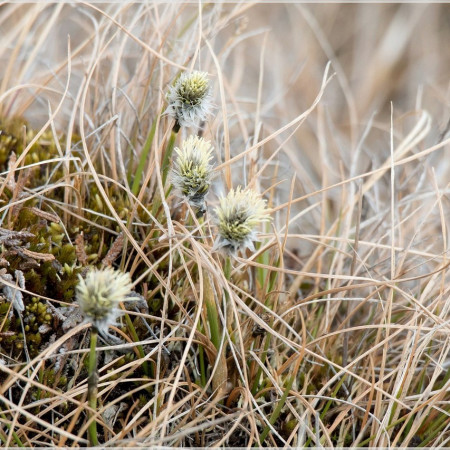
[(334, 332)]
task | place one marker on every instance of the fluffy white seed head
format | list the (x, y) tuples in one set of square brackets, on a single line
[(99, 295), (192, 171), (189, 100), (238, 214)]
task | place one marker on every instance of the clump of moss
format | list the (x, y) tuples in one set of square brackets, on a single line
[(49, 253), (33, 241)]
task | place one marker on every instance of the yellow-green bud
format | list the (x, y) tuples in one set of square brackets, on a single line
[(238, 214), (99, 295), (189, 100), (192, 172)]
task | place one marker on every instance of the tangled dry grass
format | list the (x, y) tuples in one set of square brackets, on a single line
[(334, 331)]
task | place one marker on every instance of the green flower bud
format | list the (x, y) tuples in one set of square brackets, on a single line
[(99, 295), (238, 214), (189, 100), (192, 172)]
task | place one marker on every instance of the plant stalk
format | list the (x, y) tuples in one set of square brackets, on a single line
[(165, 167), (143, 160), (92, 388), (168, 155)]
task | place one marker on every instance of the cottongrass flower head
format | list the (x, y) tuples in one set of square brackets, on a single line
[(192, 171), (99, 295), (238, 214), (189, 99)]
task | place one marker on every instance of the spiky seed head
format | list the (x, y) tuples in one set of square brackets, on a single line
[(192, 171), (99, 294), (238, 214), (189, 100)]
